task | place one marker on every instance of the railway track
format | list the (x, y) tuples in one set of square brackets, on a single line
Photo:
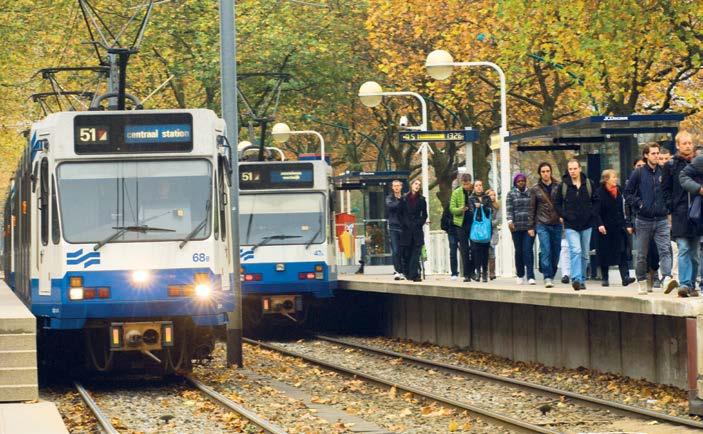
[(615, 407), (107, 427), (491, 416)]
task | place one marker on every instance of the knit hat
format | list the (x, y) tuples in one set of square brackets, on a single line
[(518, 176)]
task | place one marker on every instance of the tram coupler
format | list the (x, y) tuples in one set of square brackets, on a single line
[(141, 336), (286, 305)]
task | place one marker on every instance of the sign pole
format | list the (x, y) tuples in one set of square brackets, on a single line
[(228, 80)]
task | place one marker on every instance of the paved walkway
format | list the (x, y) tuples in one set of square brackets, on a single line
[(31, 418)]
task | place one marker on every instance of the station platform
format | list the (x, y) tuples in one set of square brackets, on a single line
[(614, 298), (31, 418), (18, 349), (658, 337)]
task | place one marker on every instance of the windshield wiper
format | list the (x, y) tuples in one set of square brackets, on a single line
[(198, 228), (319, 229), (265, 240), (122, 229)]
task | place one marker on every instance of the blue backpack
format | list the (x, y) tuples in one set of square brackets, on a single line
[(481, 229)]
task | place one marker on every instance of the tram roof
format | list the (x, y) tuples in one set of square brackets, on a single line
[(597, 129)]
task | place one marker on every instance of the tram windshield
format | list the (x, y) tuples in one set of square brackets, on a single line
[(281, 219), (143, 200)]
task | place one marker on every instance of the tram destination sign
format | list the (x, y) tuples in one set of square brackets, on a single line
[(438, 136), (276, 176), (133, 133)]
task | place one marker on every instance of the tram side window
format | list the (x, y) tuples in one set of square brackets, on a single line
[(44, 201), (55, 228)]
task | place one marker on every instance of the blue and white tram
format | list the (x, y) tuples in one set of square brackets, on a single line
[(286, 236), (117, 229)]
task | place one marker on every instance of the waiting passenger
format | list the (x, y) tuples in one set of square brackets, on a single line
[(544, 218), (394, 228), (412, 214), (576, 203), (611, 241), (460, 207), (494, 234), (518, 208), (483, 209), (645, 193)]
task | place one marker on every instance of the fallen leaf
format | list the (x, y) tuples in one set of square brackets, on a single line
[(453, 426)]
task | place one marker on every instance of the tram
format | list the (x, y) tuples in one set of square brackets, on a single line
[(286, 233), (117, 236)]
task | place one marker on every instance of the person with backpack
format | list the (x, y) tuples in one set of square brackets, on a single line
[(644, 192), (518, 208), (447, 225), (481, 229), (576, 203), (544, 222), (460, 207), (686, 235)]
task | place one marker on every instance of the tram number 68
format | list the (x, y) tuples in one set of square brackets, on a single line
[(200, 257)]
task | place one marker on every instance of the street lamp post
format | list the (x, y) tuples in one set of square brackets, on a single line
[(440, 65), (281, 132), (371, 95)]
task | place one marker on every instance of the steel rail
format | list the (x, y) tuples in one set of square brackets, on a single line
[(519, 425), (103, 421), (596, 402), (262, 423)]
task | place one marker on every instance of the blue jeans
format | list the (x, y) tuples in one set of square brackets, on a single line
[(395, 250), (579, 244), (524, 256), (660, 232), (549, 249), (689, 249), (453, 247)]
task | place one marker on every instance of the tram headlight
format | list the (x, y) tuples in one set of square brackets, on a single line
[(75, 294), (203, 290), (140, 276)]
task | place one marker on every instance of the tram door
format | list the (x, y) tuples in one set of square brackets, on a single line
[(43, 207), (378, 250)]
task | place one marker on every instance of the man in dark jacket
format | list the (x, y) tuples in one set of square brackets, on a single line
[(394, 227), (678, 201), (543, 219), (518, 208), (576, 203), (645, 194)]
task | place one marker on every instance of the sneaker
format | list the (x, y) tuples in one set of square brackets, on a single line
[(493, 277), (519, 280), (692, 292), (641, 290), (401, 276), (628, 280), (605, 283), (396, 276), (656, 284), (476, 277), (683, 292), (531, 281), (548, 283), (565, 279), (417, 279), (484, 278), (669, 284), (454, 278), (582, 286), (575, 285)]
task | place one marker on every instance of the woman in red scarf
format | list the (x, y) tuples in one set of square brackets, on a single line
[(611, 244)]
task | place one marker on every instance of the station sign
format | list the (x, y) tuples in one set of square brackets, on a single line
[(438, 136)]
